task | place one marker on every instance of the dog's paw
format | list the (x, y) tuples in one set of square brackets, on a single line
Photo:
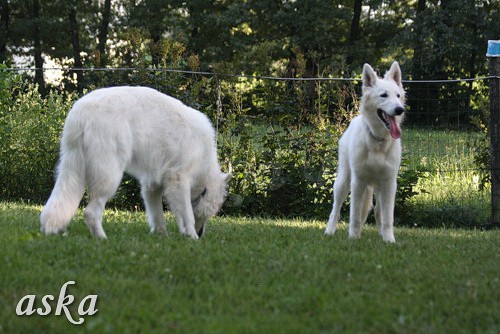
[(388, 235), (193, 237), (354, 233), (330, 227), (389, 239), (160, 230), (329, 231), (49, 229)]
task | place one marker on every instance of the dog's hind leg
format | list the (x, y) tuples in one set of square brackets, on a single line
[(93, 216), (340, 192), (154, 208), (103, 180)]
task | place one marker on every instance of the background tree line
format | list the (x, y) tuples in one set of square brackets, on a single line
[(433, 39)]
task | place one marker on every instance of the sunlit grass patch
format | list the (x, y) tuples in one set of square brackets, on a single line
[(450, 190)]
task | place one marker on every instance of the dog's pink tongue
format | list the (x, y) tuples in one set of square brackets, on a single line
[(394, 128)]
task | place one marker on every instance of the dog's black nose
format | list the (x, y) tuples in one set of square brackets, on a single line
[(399, 110), (201, 231)]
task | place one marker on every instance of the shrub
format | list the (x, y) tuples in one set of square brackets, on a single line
[(30, 127), (281, 172)]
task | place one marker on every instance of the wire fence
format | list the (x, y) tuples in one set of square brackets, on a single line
[(279, 135)]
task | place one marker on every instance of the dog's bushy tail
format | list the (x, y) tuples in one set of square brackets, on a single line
[(69, 187)]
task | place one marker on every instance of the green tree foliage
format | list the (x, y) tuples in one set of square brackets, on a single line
[(445, 37)]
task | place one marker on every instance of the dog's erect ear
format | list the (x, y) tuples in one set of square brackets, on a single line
[(369, 76), (394, 73)]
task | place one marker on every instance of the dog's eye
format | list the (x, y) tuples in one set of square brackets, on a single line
[(384, 95), (399, 96)]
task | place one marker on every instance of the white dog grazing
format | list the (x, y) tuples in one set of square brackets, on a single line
[(370, 155), (169, 147)]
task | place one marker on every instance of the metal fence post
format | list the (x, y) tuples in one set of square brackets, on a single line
[(494, 68)]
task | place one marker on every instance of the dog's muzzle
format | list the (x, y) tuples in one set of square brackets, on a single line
[(386, 118), (201, 231), (390, 121), (399, 111)]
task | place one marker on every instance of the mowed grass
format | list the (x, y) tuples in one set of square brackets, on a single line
[(250, 276)]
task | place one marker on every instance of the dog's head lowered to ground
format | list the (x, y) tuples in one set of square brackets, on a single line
[(383, 101), (209, 201)]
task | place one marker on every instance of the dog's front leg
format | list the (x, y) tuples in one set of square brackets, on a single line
[(179, 200), (154, 208), (385, 211), (358, 191), (340, 192)]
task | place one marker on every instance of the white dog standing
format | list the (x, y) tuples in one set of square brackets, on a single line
[(370, 155), (169, 147)]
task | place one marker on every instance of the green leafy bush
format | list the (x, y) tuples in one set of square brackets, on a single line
[(30, 127), (281, 172)]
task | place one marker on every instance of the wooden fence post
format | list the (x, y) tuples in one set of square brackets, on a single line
[(494, 68)]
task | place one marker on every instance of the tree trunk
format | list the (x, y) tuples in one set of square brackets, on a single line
[(4, 29), (75, 42), (418, 40), (419, 91), (156, 32), (103, 33), (354, 33), (442, 39), (37, 43), (156, 49)]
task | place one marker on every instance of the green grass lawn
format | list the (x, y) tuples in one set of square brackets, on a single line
[(250, 276)]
